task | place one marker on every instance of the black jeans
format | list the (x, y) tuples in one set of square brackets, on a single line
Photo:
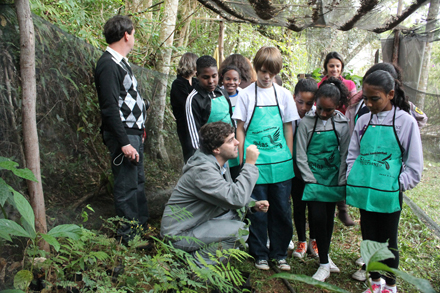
[(381, 227), (322, 215), (299, 210), (129, 181)]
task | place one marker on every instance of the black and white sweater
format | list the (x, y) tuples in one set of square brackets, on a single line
[(122, 108)]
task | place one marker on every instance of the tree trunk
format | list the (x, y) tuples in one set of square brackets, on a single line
[(30, 135), (155, 141), (220, 42), (423, 80)]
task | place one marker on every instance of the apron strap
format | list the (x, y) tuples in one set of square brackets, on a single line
[(395, 133), (313, 132), (334, 129)]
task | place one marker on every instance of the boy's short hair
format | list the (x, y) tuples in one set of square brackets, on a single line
[(270, 58), (115, 28), (213, 135), (205, 62), (306, 85)]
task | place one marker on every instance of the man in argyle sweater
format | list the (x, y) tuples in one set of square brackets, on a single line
[(123, 114)]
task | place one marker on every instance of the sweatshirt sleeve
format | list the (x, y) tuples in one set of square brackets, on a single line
[(353, 148), (107, 85), (412, 155), (301, 153), (228, 195), (194, 119)]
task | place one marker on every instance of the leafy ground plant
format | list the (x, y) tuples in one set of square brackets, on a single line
[(26, 226)]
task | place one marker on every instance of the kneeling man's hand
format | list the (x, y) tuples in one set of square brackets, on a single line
[(261, 206), (252, 154)]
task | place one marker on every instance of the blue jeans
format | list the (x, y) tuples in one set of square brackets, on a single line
[(129, 182), (277, 221)]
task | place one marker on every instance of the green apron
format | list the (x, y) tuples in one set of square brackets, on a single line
[(324, 161), (220, 112), (266, 131), (373, 182)]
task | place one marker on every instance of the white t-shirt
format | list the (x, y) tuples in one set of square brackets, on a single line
[(266, 97)]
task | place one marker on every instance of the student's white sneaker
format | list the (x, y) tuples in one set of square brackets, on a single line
[(360, 261), (262, 265), (333, 267), (321, 274), (291, 245), (360, 275), (283, 265), (376, 289), (312, 248), (301, 249)]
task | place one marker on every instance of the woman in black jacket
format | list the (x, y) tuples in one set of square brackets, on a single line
[(180, 89)]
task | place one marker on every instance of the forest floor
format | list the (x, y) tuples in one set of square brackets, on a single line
[(419, 247)]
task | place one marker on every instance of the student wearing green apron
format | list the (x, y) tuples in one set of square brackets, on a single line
[(321, 150), (207, 102), (264, 115), (304, 99), (385, 158), (358, 109), (231, 79)]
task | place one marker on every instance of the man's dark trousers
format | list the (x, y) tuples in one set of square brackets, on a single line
[(129, 181)]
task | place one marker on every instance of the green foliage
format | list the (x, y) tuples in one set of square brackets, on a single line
[(26, 228), (348, 74), (372, 252), (22, 279)]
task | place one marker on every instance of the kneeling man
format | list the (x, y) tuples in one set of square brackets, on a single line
[(204, 202)]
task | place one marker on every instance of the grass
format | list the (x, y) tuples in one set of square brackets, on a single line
[(426, 193), (419, 248)]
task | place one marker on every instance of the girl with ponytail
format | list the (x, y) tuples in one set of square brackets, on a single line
[(384, 159), (357, 106), (321, 150)]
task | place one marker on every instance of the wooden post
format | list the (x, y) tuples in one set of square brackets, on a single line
[(376, 57), (220, 41), (396, 36)]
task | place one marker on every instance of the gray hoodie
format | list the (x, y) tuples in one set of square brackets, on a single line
[(202, 194), (305, 131), (409, 137)]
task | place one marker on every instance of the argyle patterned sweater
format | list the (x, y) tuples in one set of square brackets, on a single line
[(122, 108)]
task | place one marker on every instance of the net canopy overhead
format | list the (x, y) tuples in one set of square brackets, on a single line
[(373, 15)]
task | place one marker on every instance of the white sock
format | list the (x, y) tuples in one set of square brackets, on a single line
[(392, 289), (375, 283)]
